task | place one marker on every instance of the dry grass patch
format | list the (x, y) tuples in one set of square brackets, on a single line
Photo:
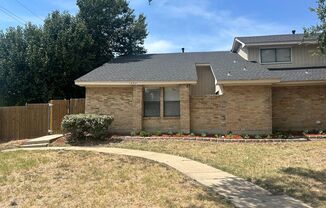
[(11, 144), (297, 169), (86, 179)]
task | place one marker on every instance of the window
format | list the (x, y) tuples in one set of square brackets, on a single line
[(275, 55), (171, 102), (152, 102)]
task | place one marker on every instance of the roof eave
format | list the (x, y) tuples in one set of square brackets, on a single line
[(249, 82), (281, 43), (131, 83)]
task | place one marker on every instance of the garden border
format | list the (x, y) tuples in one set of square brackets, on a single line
[(209, 139)]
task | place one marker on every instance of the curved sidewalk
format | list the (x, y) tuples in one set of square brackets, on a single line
[(239, 191)]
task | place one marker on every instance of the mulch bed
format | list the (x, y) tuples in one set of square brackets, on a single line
[(211, 139)]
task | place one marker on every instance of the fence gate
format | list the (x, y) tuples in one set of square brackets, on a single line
[(60, 108)]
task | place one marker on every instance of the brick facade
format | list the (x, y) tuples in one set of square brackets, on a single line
[(241, 109), (299, 107), (248, 109), (115, 101)]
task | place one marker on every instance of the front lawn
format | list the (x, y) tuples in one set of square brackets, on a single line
[(86, 179), (297, 169)]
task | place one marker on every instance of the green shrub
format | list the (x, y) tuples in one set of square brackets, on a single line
[(144, 134), (203, 134), (158, 133), (258, 137), (217, 136), (192, 134), (246, 136), (86, 126), (170, 133), (133, 133)]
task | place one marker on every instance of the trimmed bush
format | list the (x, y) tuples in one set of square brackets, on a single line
[(86, 126)]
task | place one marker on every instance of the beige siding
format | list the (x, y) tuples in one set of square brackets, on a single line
[(206, 82), (302, 56)]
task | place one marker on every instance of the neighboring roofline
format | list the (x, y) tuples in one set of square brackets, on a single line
[(281, 43), (249, 82), (299, 83), (234, 48), (130, 83)]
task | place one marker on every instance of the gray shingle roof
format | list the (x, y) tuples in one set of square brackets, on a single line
[(275, 39), (182, 67)]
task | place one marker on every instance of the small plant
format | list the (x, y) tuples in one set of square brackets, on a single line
[(246, 136), (229, 133), (217, 136), (258, 137), (179, 134), (269, 136), (321, 132), (192, 134), (144, 134), (158, 133), (170, 133), (133, 133), (203, 134)]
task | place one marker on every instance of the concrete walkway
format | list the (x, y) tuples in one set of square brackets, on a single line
[(239, 191)]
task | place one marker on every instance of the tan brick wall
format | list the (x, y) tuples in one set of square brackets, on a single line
[(248, 109), (137, 108), (299, 107), (162, 124), (185, 108), (115, 101), (207, 114)]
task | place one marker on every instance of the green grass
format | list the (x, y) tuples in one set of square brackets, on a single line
[(296, 169), (86, 179)]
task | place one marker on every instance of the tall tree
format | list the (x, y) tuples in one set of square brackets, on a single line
[(68, 54), (319, 30), (114, 27)]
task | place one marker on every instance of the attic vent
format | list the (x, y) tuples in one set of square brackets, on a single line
[(293, 32)]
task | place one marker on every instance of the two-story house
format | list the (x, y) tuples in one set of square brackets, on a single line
[(264, 83)]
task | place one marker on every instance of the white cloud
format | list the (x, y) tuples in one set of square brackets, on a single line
[(209, 28), (159, 46)]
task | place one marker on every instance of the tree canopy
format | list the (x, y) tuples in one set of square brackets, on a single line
[(319, 30), (39, 63)]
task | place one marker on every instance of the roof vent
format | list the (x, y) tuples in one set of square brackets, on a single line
[(182, 50), (306, 72), (244, 68), (229, 74), (293, 32)]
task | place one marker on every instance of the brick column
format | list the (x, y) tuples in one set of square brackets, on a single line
[(137, 102), (185, 108)]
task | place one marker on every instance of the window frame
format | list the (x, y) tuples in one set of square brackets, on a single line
[(164, 103), (159, 102), (275, 51)]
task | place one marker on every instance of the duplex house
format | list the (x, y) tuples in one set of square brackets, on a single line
[(263, 83)]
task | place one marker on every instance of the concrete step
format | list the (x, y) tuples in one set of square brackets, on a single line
[(34, 145), (44, 139)]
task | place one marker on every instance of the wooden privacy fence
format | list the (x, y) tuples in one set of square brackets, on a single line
[(24, 121), (34, 120), (60, 108)]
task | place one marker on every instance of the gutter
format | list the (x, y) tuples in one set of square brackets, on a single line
[(129, 83)]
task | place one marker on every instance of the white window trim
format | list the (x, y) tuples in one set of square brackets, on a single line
[(271, 63)]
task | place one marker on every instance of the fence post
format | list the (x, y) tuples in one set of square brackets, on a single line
[(50, 125)]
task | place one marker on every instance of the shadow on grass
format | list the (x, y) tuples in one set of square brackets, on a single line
[(301, 183)]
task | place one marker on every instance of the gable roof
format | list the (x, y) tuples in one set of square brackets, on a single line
[(181, 68), (272, 40)]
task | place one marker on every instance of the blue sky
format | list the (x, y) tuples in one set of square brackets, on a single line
[(197, 25)]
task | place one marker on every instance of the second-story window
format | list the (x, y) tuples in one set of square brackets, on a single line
[(275, 55)]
